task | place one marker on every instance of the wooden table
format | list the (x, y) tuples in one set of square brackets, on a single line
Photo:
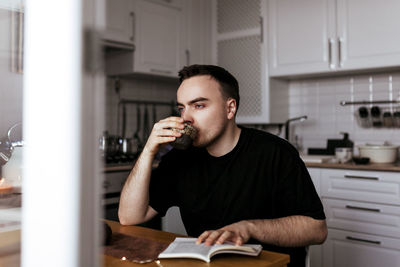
[(266, 258)]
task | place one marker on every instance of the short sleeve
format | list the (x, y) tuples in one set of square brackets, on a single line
[(297, 193)]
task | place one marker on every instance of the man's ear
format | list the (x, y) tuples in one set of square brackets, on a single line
[(231, 108)]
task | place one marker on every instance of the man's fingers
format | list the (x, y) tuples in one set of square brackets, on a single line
[(203, 237), (225, 235), (238, 241), (213, 237), (165, 132)]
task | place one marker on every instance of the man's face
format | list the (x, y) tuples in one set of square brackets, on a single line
[(201, 104)]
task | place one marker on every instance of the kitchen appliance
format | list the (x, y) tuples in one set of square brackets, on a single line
[(343, 154), (11, 161), (7, 145), (332, 144), (379, 153)]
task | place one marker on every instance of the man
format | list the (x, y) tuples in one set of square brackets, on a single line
[(234, 184)]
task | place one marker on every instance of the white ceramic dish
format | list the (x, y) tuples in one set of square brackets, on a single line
[(379, 153)]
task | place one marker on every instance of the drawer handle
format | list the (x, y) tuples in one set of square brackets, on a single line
[(363, 240), (362, 208), (361, 177)]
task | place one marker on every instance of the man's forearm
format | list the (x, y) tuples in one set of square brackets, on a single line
[(134, 202), (292, 231)]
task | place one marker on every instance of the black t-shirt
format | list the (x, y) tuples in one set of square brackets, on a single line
[(263, 177)]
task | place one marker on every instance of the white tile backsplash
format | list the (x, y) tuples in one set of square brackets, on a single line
[(319, 98)]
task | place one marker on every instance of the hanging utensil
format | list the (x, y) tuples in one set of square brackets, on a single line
[(123, 121), (146, 129), (136, 134), (154, 114)]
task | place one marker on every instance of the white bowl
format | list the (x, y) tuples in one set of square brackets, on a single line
[(379, 153)]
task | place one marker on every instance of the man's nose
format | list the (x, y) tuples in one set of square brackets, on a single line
[(187, 117)]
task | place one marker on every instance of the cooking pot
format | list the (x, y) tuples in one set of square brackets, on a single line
[(379, 153)]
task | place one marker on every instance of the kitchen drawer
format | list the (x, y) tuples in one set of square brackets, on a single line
[(369, 186), (343, 248), (363, 217)]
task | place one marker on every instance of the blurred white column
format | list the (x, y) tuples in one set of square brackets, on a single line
[(60, 184)]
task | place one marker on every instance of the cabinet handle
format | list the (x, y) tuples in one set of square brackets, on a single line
[(361, 177), (362, 208), (161, 71), (132, 14), (363, 240), (340, 42), (262, 29), (187, 52), (330, 47)]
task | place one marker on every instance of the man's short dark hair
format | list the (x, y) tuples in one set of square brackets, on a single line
[(228, 83)]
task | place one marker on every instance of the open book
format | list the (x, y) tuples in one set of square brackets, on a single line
[(187, 248)]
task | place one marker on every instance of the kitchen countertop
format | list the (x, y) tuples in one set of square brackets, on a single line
[(392, 167)]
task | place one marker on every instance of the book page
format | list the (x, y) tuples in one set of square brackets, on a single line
[(188, 246)]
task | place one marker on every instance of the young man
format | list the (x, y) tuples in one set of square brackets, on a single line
[(234, 184)]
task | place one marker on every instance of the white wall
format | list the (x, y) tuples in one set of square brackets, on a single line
[(319, 98)]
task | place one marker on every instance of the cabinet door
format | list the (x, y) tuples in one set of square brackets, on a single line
[(239, 47), (369, 33), (159, 39), (299, 36), (119, 21), (343, 248), (198, 32)]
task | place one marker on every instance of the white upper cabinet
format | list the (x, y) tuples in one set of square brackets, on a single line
[(369, 33), (198, 32), (159, 37), (320, 36), (119, 22), (299, 33)]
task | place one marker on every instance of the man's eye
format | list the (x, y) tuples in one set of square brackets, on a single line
[(180, 109), (199, 106)]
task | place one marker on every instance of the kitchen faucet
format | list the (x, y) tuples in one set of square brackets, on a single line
[(287, 125)]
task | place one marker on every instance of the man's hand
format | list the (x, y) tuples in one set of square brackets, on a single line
[(238, 233), (162, 133)]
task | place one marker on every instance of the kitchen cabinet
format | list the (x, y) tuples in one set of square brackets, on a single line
[(119, 23), (159, 34), (313, 36), (239, 46), (363, 218), (198, 32)]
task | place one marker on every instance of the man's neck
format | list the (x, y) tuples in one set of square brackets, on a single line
[(226, 142)]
